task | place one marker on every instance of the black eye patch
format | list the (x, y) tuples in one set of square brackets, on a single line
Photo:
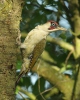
[(53, 24)]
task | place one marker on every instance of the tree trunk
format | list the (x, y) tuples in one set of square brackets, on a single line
[(10, 15)]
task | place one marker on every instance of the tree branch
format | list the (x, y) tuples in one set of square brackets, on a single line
[(31, 96), (65, 85), (61, 43)]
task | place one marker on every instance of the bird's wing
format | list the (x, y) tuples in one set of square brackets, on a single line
[(38, 49)]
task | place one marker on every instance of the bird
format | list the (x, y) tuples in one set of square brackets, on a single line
[(34, 44)]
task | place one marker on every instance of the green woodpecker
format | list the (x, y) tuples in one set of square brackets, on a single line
[(34, 44)]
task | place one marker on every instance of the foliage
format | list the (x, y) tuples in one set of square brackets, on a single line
[(60, 54)]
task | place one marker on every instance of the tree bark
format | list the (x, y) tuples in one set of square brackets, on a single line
[(10, 15)]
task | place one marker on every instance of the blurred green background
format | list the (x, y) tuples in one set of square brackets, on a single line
[(37, 12)]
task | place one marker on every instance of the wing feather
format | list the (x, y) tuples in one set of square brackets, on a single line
[(37, 52)]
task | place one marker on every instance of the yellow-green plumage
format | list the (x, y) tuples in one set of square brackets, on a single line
[(33, 57), (34, 44)]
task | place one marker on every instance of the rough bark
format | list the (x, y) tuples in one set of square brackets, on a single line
[(10, 12)]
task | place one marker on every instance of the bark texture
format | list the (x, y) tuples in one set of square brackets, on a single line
[(10, 12)]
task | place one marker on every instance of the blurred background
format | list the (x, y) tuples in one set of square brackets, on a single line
[(37, 12)]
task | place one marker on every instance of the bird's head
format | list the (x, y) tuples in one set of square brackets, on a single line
[(51, 26)]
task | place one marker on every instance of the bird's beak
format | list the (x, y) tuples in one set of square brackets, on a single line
[(61, 28), (57, 28)]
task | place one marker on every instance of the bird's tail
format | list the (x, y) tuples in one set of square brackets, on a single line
[(19, 77)]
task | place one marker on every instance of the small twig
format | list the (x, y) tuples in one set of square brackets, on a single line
[(67, 58), (30, 95), (39, 82), (22, 96), (39, 89), (46, 90)]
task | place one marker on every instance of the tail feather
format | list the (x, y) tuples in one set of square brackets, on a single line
[(19, 77)]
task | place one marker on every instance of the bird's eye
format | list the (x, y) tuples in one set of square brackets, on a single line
[(52, 24)]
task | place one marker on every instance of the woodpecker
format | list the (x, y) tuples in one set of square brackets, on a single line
[(34, 44)]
